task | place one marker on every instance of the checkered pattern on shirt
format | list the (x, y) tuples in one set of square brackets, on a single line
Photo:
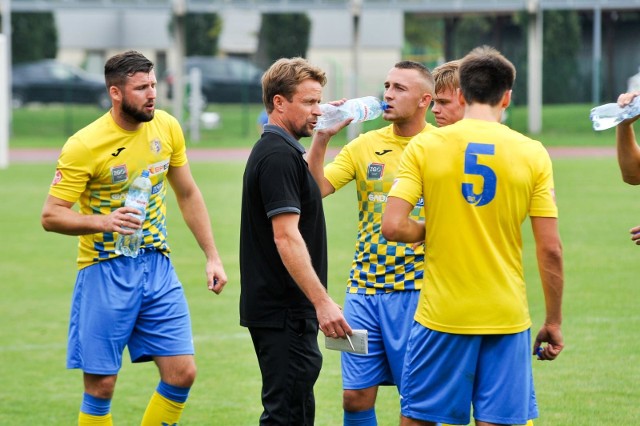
[(98, 164), (378, 265)]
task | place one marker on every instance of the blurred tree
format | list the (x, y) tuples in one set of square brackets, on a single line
[(471, 31), (202, 31), (33, 36), (282, 35), (508, 34), (505, 32), (562, 39), (423, 35)]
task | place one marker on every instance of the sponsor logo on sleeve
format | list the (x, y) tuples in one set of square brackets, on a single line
[(57, 177)]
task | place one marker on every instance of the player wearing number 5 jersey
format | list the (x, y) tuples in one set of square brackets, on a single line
[(480, 180)]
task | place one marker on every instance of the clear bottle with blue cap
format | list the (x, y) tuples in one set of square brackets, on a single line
[(138, 198), (360, 109)]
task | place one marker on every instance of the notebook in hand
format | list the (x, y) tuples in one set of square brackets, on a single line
[(359, 339)]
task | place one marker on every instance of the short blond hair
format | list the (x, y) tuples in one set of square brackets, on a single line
[(446, 76), (285, 75)]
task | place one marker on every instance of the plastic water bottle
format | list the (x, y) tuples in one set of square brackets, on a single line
[(610, 115), (138, 198), (360, 109)]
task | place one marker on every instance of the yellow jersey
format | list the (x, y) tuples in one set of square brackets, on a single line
[(99, 162), (372, 160), (479, 181)]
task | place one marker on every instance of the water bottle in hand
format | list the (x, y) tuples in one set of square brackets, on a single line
[(138, 198), (610, 115), (360, 109)]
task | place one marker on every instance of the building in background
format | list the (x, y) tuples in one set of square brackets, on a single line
[(607, 55), (88, 36)]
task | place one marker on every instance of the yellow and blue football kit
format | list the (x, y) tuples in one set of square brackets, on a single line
[(97, 165), (120, 301), (372, 160), (95, 168), (479, 181), (385, 277)]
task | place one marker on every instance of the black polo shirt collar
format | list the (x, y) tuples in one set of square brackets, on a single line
[(272, 128)]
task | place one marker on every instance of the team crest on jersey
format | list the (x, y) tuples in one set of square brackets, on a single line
[(155, 146), (119, 174), (57, 177), (375, 171)]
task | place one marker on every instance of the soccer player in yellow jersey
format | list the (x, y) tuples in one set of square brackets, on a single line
[(469, 344), (121, 301), (446, 108), (386, 277)]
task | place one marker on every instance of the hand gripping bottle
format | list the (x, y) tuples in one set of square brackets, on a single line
[(610, 115), (138, 198), (360, 109)]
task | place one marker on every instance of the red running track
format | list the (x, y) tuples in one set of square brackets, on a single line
[(203, 155)]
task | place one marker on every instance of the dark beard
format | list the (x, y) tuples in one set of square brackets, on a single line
[(136, 115), (302, 132)]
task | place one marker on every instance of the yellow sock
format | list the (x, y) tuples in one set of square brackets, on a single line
[(162, 411), (85, 419)]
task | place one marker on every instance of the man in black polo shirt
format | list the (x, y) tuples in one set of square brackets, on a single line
[(283, 248)]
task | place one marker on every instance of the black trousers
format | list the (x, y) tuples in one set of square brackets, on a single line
[(290, 362)]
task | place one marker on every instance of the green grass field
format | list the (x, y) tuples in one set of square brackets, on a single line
[(593, 382)]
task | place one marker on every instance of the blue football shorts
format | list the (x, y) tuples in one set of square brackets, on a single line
[(446, 373), (388, 318), (134, 302)]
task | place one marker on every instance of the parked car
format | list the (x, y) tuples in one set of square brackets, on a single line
[(49, 81), (224, 80)]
